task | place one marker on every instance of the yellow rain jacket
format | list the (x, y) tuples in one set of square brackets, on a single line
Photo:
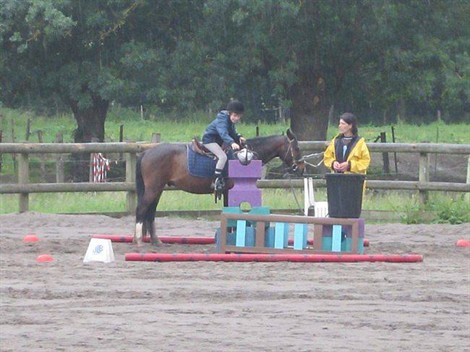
[(357, 154)]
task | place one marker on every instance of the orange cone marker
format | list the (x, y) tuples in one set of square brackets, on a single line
[(463, 243), (44, 258), (30, 238)]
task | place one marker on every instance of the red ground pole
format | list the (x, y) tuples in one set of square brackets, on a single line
[(182, 239), (306, 258), (164, 239)]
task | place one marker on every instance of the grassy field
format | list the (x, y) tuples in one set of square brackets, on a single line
[(13, 124)]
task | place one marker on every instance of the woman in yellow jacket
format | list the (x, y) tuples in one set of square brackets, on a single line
[(347, 152)]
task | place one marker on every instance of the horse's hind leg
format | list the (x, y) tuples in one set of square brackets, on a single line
[(141, 223), (145, 217), (150, 223)]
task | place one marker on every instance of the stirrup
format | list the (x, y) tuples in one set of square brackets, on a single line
[(219, 184)]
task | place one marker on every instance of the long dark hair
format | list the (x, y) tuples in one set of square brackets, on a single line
[(350, 119)]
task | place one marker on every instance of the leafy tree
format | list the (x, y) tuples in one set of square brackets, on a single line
[(421, 58), (304, 51), (379, 58), (61, 48), (89, 53), (375, 58)]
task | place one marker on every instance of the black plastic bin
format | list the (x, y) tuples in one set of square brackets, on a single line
[(344, 192)]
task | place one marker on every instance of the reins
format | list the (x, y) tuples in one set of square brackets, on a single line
[(313, 155)]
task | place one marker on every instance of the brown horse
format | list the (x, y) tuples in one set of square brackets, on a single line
[(166, 165)]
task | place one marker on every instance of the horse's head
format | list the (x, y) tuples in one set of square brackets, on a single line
[(285, 148), (292, 156)]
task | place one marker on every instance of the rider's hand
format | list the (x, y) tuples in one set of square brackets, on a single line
[(235, 146)]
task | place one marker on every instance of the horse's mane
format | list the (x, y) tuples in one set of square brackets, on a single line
[(257, 141), (267, 148)]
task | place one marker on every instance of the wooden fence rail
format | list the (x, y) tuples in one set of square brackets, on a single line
[(24, 187)]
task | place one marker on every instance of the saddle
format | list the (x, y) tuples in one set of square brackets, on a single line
[(199, 148)]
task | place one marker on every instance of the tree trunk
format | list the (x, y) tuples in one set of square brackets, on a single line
[(310, 110), (90, 128)]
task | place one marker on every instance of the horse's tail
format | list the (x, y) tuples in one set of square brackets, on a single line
[(139, 180)]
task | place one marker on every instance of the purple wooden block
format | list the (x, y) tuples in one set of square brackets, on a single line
[(252, 197), (244, 178), (253, 170)]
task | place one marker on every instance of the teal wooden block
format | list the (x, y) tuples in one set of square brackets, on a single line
[(250, 237), (326, 244), (241, 233), (269, 238), (300, 236), (245, 236), (346, 238), (281, 233), (231, 210), (252, 211), (336, 239), (259, 211), (346, 246), (230, 239)]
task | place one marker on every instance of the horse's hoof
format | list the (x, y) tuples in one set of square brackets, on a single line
[(157, 243), (137, 243)]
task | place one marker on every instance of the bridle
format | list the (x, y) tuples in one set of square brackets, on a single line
[(297, 163)]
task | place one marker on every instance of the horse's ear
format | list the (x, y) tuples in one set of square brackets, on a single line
[(290, 134)]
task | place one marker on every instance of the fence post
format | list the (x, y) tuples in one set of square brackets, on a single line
[(423, 175), (121, 138), (28, 129), (131, 161), (156, 137), (59, 166), (394, 154), (13, 140), (467, 194), (23, 178), (386, 167), (42, 156), (1, 158)]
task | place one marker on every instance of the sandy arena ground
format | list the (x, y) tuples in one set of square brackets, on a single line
[(67, 305)]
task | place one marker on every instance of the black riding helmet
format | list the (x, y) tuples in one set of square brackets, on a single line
[(236, 107)]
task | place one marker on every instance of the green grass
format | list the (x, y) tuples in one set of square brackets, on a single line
[(14, 125), (116, 201), (14, 122), (443, 208), (83, 202)]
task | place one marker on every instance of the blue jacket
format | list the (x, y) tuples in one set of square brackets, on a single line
[(221, 130)]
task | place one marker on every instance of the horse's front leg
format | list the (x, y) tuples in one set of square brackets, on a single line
[(226, 198)]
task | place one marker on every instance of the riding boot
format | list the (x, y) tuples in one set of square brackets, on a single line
[(219, 183)]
